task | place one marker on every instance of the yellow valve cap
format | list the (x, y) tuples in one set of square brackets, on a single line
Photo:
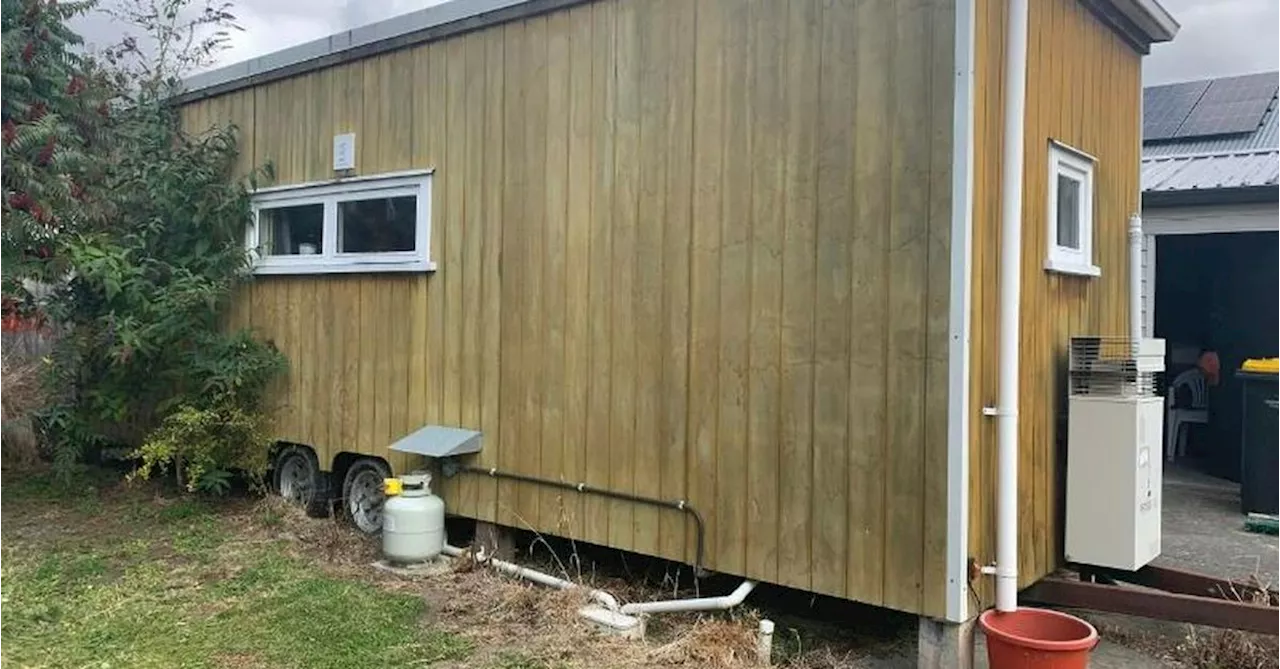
[(391, 486)]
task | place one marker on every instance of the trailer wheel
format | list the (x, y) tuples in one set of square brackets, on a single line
[(297, 478), (362, 495)]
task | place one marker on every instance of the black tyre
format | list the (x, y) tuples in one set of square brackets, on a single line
[(362, 495), (297, 477)]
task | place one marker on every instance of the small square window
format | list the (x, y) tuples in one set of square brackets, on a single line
[(291, 231), (380, 225), (1070, 215)]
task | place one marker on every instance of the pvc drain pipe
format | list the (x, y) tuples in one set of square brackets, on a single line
[(602, 598), (764, 643), (695, 604), (607, 600)]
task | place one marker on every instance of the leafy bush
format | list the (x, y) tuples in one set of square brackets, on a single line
[(54, 109), (144, 347), (133, 229), (204, 445)]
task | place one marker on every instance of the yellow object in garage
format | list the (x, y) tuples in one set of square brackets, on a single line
[(1261, 365), (391, 487)]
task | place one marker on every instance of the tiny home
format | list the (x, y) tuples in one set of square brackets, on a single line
[(740, 255)]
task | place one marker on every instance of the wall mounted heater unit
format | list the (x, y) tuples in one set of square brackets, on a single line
[(1114, 433)]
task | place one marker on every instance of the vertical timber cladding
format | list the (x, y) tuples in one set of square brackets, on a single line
[(1083, 89), (692, 250)]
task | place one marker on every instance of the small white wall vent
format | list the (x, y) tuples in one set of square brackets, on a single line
[(344, 152)]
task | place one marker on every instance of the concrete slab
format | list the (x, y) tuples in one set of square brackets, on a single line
[(436, 567), (1203, 530)]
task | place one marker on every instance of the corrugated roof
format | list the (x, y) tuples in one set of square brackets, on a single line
[(1245, 169)]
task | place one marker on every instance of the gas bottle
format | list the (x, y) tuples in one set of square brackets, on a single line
[(412, 520)]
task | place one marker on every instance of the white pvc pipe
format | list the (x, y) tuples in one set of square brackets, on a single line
[(603, 598), (607, 600), (696, 604), (764, 643), (1015, 81), (1135, 279)]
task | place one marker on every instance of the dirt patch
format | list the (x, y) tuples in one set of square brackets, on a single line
[(239, 661)]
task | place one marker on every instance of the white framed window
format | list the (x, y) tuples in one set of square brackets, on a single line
[(379, 223), (1070, 214)]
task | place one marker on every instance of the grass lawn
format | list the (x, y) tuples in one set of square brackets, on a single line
[(104, 574), (101, 576)]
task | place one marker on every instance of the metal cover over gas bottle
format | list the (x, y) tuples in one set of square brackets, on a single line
[(412, 520)]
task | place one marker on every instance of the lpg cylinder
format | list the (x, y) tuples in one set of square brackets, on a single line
[(412, 520)]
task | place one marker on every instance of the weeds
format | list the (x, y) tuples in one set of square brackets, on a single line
[(1227, 649), (21, 395)]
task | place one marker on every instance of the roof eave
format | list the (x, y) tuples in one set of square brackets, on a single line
[(429, 24), (1156, 23), (1208, 196)]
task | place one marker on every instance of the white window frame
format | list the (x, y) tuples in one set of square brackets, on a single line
[(1075, 164), (330, 193)]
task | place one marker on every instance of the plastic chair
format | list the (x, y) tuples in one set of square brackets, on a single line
[(1179, 417)]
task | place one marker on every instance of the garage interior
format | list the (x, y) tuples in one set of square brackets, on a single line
[(1217, 292)]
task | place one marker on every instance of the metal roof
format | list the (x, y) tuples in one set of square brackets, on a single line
[(1209, 171)]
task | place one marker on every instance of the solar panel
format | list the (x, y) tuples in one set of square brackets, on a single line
[(1164, 108), (1230, 106), (1227, 118)]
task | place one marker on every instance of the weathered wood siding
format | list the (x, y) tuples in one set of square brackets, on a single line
[(694, 250), (1083, 89)]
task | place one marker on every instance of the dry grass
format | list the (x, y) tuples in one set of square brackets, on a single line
[(21, 394), (1208, 648), (512, 623), (205, 563), (1227, 649), (1197, 647)]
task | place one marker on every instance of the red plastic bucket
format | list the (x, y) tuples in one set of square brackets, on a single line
[(1037, 639)]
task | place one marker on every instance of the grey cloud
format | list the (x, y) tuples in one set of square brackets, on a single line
[(1218, 38), (269, 25)]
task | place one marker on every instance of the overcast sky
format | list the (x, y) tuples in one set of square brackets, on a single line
[(1218, 37)]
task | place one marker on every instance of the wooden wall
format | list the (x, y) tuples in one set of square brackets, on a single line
[(694, 250), (1083, 89)]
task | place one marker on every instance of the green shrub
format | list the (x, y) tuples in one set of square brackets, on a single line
[(133, 231)]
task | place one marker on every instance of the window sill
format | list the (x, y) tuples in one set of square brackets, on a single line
[(343, 267), (1075, 268)]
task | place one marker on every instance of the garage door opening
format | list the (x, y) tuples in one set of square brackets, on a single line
[(1216, 293)]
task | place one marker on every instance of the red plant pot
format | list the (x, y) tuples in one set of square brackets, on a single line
[(1037, 639)]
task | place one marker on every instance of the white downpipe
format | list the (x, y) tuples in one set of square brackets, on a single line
[(696, 604), (1015, 81), (1135, 279), (602, 598)]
